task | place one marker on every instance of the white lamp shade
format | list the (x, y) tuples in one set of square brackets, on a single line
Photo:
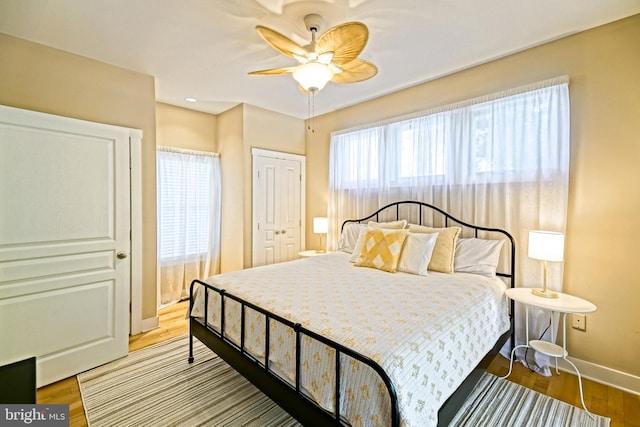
[(320, 225), (546, 245), (312, 76)]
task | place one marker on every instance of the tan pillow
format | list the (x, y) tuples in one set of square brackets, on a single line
[(381, 249), (442, 257), (401, 223)]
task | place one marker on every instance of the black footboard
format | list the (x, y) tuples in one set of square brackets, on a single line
[(289, 397)]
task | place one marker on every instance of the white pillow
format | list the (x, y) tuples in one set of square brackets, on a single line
[(477, 256), (349, 236), (416, 253)]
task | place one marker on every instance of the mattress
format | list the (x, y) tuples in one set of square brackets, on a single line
[(426, 332)]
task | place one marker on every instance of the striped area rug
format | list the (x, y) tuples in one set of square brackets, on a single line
[(156, 386), (498, 402)]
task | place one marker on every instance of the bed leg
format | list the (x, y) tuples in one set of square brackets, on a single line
[(190, 349)]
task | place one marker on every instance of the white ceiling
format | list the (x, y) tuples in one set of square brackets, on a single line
[(204, 48)]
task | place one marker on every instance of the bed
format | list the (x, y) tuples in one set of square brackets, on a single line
[(338, 345)]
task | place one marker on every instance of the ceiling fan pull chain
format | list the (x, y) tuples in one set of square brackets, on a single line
[(308, 110), (313, 112)]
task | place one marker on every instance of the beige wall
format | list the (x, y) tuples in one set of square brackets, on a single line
[(604, 197), (183, 128), (317, 175), (36, 77), (230, 140), (273, 131)]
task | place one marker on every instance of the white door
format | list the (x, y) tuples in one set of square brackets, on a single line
[(277, 210), (64, 242)]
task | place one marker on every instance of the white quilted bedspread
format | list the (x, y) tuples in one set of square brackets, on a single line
[(428, 333)]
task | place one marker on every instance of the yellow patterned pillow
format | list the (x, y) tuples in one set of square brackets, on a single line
[(381, 249), (442, 257)]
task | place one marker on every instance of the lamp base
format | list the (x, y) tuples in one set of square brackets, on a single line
[(545, 293)]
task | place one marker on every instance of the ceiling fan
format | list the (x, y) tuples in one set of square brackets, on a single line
[(333, 57)]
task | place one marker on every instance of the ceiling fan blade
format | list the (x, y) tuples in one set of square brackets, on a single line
[(273, 71), (355, 71), (281, 43), (345, 40)]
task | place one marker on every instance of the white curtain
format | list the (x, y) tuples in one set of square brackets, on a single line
[(188, 193), (499, 161)]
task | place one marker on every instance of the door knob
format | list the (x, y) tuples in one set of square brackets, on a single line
[(121, 255), (284, 231), (277, 232)]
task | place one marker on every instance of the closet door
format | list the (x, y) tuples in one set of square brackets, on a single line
[(277, 208), (64, 242)]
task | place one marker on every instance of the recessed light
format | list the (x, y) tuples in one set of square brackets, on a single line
[(189, 99)]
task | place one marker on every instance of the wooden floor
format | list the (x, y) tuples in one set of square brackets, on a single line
[(623, 408)]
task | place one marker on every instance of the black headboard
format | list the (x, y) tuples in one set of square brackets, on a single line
[(415, 212)]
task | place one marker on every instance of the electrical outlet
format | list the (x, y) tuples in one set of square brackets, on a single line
[(579, 321)]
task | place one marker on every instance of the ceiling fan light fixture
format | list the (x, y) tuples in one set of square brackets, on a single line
[(312, 76), (333, 56)]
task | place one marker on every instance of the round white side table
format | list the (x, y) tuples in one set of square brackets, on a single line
[(564, 304)]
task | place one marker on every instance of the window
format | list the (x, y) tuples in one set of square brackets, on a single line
[(501, 140), (188, 200), (419, 153), (184, 200)]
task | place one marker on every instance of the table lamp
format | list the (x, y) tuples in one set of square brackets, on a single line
[(320, 226), (546, 246)]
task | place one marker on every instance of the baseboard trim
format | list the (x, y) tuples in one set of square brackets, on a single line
[(601, 374), (150, 323)]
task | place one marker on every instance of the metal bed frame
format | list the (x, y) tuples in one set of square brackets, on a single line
[(289, 396)]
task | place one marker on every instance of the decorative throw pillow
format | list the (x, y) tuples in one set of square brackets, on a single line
[(381, 249), (442, 257), (477, 256), (355, 254), (399, 224), (416, 253)]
